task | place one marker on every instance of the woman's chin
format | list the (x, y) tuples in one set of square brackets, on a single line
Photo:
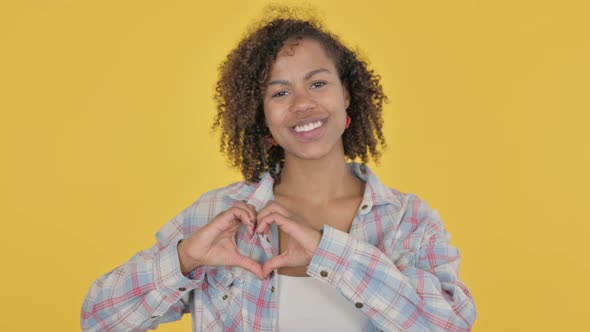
[(316, 152)]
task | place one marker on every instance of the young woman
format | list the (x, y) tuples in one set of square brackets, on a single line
[(307, 241)]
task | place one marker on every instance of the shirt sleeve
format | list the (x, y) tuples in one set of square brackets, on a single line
[(147, 290), (419, 291)]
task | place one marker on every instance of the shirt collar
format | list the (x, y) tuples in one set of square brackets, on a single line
[(254, 193), (376, 193)]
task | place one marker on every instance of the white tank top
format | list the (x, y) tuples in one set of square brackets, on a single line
[(307, 304)]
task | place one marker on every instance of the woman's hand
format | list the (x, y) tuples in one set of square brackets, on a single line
[(304, 239), (215, 245)]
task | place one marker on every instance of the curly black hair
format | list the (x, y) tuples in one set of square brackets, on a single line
[(243, 78)]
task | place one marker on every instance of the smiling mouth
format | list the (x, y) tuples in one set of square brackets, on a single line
[(308, 127)]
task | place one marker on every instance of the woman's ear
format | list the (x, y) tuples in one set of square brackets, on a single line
[(346, 97)]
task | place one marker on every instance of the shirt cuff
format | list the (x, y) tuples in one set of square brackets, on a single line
[(168, 277), (332, 257)]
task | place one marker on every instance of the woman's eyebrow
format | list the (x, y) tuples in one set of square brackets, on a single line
[(314, 72), (278, 82), (306, 77)]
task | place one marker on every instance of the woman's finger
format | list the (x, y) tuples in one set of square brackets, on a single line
[(307, 237), (248, 208), (275, 263), (251, 210), (250, 219), (255, 216), (248, 264), (273, 206), (269, 218), (232, 217), (287, 224)]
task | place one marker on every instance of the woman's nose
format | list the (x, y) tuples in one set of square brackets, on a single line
[(302, 102)]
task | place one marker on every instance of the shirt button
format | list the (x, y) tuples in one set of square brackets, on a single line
[(182, 289), (358, 305), (224, 297), (364, 207), (267, 239), (324, 273), (272, 289)]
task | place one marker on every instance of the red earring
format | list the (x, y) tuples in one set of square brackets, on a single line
[(268, 141), (348, 121)]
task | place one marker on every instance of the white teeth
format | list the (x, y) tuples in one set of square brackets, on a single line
[(309, 126)]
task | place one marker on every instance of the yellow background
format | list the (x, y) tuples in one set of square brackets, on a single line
[(106, 108)]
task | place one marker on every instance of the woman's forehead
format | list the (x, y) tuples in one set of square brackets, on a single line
[(301, 53)]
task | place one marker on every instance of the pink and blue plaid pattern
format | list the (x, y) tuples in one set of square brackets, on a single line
[(396, 265)]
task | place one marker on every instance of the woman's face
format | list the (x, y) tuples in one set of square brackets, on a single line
[(305, 102)]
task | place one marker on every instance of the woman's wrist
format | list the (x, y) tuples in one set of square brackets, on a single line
[(187, 264)]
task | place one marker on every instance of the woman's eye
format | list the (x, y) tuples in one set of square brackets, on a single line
[(318, 84), (279, 94)]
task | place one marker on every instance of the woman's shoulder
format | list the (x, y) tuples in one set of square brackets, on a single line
[(409, 207), (411, 204), (212, 202), (408, 199), (228, 194), (382, 194)]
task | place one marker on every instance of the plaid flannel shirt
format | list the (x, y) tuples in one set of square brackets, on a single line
[(395, 265)]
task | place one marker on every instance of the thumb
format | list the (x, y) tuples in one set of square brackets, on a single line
[(249, 264), (274, 263)]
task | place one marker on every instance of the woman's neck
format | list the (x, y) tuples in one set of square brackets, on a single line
[(318, 181)]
